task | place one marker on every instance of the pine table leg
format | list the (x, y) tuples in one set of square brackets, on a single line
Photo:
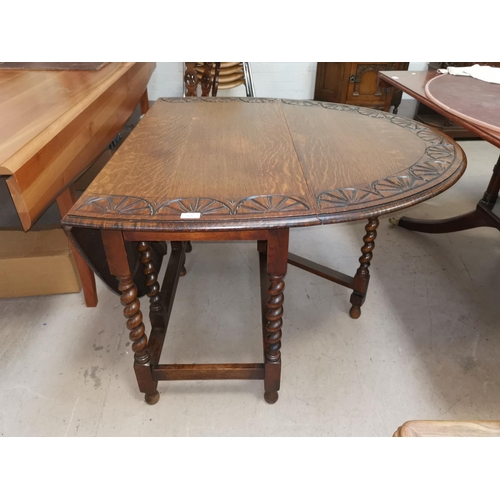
[(144, 102), (65, 201)]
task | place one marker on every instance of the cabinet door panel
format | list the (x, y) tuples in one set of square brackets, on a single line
[(363, 88), (354, 83), (331, 81)]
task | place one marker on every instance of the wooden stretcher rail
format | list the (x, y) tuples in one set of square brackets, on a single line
[(320, 270), (232, 371)]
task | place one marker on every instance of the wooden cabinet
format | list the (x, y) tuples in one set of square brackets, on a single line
[(356, 83)]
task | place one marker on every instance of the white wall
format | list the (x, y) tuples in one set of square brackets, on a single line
[(418, 66), (288, 80), (409, 105)]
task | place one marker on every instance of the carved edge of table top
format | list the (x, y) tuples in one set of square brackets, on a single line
[(250, 100), (233, 223), (132, 205), (439, 156), (190, 225)]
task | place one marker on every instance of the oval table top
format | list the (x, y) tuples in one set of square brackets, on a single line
[(251, 163), (467, 97)]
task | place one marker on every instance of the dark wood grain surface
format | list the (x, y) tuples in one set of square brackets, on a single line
[(470, 98), (265, 163), (414, 83)]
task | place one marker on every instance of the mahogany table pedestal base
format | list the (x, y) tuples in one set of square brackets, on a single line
[(420, 85), (483, 216)]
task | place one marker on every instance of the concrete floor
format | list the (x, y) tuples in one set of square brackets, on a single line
[(427, 345)]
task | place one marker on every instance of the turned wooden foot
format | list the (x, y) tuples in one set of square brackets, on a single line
[(355, 312), (362, 277), (152, 399), (271, 397), (183, 271)]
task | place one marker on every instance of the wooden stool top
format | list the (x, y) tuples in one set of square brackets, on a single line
[(449, 428), (237, 163)]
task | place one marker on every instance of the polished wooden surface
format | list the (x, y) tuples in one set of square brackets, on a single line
[(267, 163), (413, 83), (449, 428), (54, 123), (434, 119), (473, 100), (64, 202)]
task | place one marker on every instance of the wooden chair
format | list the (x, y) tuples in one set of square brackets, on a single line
[(449, 428), (215, 76)]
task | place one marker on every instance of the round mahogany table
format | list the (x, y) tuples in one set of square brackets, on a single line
[(472, 104), (247, 169), (473, 100)]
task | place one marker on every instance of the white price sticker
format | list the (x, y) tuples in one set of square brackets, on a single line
[(191, 215)]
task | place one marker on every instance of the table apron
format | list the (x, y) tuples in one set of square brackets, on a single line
[(257, 234)]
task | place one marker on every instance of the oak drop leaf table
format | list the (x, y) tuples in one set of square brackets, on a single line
[(250, 169)]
